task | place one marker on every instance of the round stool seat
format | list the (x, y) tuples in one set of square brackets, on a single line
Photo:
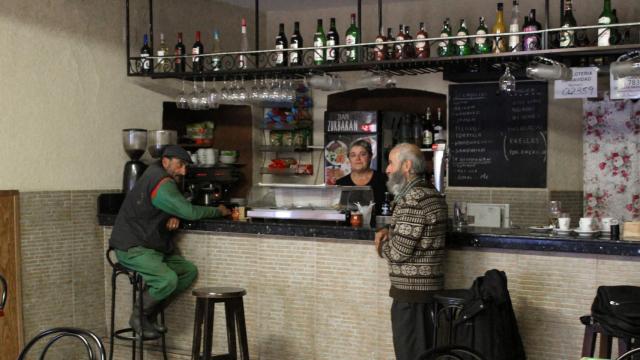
[(219, 292), (451, 297)]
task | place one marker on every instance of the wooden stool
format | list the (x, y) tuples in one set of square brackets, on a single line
[(206, 298), (591, 331)]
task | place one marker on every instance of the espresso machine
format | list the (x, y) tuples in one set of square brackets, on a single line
[(211, 185), (134, 142)]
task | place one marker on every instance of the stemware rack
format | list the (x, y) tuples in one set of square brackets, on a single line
[(262, 63)]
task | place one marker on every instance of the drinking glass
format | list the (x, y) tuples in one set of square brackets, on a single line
[(204, 96), (182, 101), (213, 102), (554, 213), (224, 92), (254, 92)]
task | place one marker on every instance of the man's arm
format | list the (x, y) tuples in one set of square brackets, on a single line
[(168, 198), (411, 219)]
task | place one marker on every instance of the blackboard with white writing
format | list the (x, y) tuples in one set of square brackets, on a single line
[(498, 139)]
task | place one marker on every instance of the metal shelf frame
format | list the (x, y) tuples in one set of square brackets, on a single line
[(262, 63)]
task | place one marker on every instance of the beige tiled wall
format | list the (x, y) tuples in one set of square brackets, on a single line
[(328, 299)]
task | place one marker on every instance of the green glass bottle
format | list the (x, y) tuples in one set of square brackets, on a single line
[(445, 48), (482, 44), (568, 37), (605, 18), (352, 37), (462, 45), (319, 40)]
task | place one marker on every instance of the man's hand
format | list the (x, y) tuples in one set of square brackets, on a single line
[(223, 210), (381, 236), (173, 224)]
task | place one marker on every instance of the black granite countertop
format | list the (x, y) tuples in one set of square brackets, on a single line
[(467, 237)]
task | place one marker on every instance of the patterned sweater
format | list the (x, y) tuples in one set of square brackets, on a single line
[(415, 249)]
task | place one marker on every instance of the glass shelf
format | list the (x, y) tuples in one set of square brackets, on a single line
[(282, 172), (275, 148)]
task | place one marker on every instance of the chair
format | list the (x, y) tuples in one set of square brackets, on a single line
[(3, 298), (591, 331), (90, 341), (449, 352), (630, 355)]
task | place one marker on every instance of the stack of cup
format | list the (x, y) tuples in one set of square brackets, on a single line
[(207, 156)]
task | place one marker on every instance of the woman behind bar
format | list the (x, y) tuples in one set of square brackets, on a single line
[(360, 155)]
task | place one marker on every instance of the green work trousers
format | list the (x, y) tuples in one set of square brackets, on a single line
[(163, 274)]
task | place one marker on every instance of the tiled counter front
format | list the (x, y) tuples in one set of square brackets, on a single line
[(328, 298)]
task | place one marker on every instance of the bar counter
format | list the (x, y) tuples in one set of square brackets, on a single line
[(466, 237)]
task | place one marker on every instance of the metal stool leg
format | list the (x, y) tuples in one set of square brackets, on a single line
[(164, 344), (112, 331), (141, 313)]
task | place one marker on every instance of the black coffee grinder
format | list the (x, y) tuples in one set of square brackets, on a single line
[(135, 144)]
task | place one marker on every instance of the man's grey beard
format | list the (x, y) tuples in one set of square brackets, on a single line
[(396, 182)]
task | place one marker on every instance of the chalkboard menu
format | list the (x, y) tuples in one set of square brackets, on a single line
[(498, 140)]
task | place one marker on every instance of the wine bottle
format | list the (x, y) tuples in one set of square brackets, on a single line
[(532, 42), (499, 45), (179, 50), (409, 49), (197, 49), (351, 38), (427, 133), (445, 48), (605, 18), (333, 54), (380, 51), (243, 60), (295, 57), (385, 208), (281, 43), (319, 40), (439, 135), (514, 26), (615, 37), (568, 37), (215, 48), (421, 47), (390, 48), (462, 45), (482, 44), (399, 53), (163, 64), (145, 52)]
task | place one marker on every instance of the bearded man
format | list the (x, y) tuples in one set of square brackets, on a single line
[(414, 248)]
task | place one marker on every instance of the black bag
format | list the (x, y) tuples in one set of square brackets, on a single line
[(617, 309)]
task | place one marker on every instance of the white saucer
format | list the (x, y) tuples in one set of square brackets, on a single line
[(562, 232), (587, 233), (540, 228)]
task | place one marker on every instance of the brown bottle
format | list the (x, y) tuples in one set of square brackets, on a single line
[(409, 50), (380, 51), (399, 53), (422, 47)]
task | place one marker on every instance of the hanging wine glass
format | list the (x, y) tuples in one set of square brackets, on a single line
[(224, 92), (182, 102), (507, 82), (204, 96), (254, 92), (214, 98), (194, 98)]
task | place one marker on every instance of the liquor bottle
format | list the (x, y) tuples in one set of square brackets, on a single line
[(380, 51), (445, 48), (390, 48), (215, 48), (281, 43), (146, 65), (333, 54), (568, 37), (399, 48), (163, 64), (531, 42), (243, 60), (427, 133), (179, 50), (295, 57), (319, 40), (514, 26), (352, 37), (409, 49), (197, 49), (462, 45), (421, 47), (499, 45), (439, 135), (482, 44), (615, 37), (605, 18), (385, 208)]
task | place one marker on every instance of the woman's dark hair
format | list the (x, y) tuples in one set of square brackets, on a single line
[(363, 144)]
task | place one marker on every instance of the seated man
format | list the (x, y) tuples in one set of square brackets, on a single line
[(144, 230)]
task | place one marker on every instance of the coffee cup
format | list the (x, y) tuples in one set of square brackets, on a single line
[(564, 223), (586, 224), (606, 224)]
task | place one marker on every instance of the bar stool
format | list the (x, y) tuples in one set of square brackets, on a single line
[(128, 333), (206, 298), (591, 331), (446, 312)]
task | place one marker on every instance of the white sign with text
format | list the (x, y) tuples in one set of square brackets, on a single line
[(583, 84), (625, 88)]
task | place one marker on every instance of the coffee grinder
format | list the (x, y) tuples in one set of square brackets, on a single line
[(134, 142)]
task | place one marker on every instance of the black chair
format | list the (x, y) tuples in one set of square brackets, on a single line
[(138, 288), (3, 298), (449, 352), (591, 331), (446, 312), (630, 355), (92, 343)]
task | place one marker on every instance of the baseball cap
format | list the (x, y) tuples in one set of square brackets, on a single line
[(175, 151)]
